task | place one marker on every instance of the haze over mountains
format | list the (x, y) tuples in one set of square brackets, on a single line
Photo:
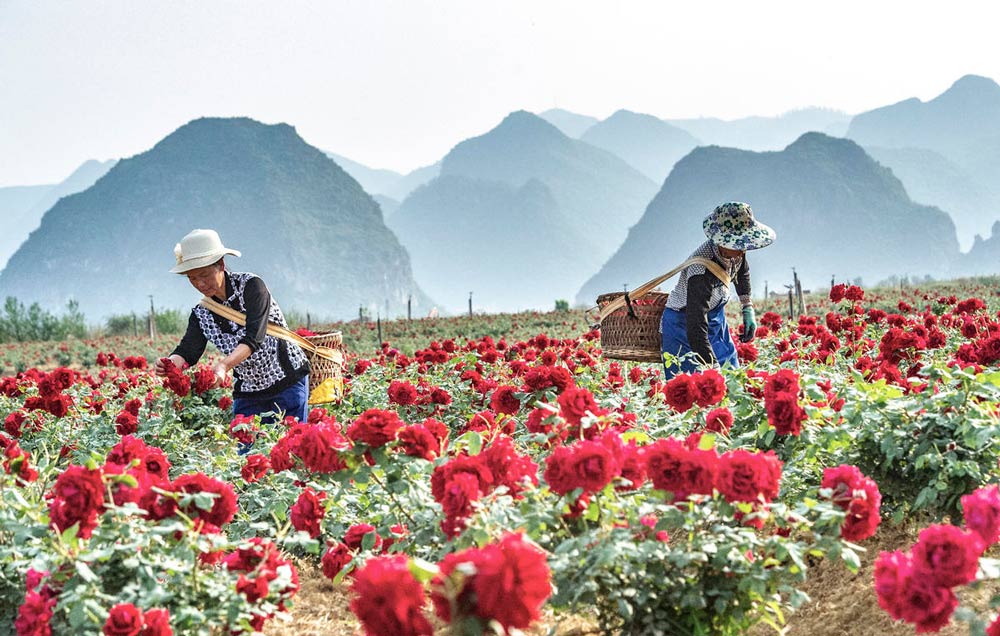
[(836, 211), (961, 127), (22, 207), (539, 208), (309, 229)]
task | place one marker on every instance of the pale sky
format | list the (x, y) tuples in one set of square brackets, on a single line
[(397, 84)]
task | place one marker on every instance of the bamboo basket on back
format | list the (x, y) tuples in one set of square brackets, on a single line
[(630, 321)]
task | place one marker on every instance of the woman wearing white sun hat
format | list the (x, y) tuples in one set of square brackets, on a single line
[(693, 329), (270, 374)]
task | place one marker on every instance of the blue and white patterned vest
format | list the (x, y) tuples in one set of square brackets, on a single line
[(270, 365)]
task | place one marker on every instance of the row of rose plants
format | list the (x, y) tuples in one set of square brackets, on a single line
[(500, 475)]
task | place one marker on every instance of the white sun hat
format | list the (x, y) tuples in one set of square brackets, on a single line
[(198, 249)]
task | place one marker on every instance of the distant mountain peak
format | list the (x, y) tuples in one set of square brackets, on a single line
[(521, 122), (975, 83)]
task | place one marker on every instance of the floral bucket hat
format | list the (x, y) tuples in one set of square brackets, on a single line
[(732, 225)]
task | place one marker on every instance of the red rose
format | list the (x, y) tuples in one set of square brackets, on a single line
[(255, 468), (124, 619), (319, 446), (749, 477), (680, 392), (575, 403), (837, 292), (308, 512), (892, 571), (859, 496), (402, 392), (673, 467), (223, 504), (375, 427), (589, 465), (77, 497), (503, 400), (157, 623), (335, 559), (719, 421), (225, 402), (982, 513), (388, 600), (417, 441), (710, 387), (947, 555), (35, 614), (126, 423), (927, 605), (355, 536), (510, 584), (784, 413)]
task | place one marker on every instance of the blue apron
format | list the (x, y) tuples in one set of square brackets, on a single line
[(673, 340)]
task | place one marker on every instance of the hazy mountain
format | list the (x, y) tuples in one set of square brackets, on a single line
[(984, 257), (22, 207), (509, 245), (649, 144), (763, 133), (16, 204), (302, 223), (388, 205), (373, 180), (962, 123), (601, 193), (571, 124), (835, 209), (931, 178), (411, 181)]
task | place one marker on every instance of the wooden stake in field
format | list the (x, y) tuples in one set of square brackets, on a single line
[(470, 304), (152, 318), (378, 318)]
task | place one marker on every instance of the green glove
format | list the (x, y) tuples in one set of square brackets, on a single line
[(749, 324)]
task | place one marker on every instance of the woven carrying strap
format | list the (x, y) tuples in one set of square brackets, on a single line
[(327, 353), (647, 287)]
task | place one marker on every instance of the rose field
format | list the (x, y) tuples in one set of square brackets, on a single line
[(498, 475)]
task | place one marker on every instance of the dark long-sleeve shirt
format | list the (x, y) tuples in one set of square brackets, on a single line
[(703, 292), (256, 302)]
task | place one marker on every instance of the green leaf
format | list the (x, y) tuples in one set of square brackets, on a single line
[(423, 571), (85, 572)]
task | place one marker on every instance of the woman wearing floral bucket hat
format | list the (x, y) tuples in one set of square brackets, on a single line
[(694, 329), (270, 374)]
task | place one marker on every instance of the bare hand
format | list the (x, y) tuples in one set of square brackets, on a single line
[(221, 373)]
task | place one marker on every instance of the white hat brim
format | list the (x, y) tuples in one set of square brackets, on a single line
[(202, 261)]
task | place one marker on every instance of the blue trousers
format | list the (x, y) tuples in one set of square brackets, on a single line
[(292, 401), (673, 328)]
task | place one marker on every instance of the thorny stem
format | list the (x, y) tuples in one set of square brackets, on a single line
[(395, 501)]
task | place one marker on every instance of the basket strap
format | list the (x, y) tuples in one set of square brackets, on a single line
[(649, 286), (327, 353)]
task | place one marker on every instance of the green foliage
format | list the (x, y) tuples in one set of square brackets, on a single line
[(21, 324), (562, 305)]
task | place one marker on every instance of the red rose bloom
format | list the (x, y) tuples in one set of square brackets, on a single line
[(719, 421), (255, 468), (402, 392), (308, 512), (417, 441), (126, 423), (35, 614), (77, 497), (575, 403), (355, 536), (784, 413), (859, 496), (124, 619), (510, 584), (710, 387), (335, 559), (503, 400), (672, 467), (589, 465), (680, 392), (388, 600), (157, 623), (223, 505), (749, 477), (319, 446), (947, 555), (982, 513), (375, 427)]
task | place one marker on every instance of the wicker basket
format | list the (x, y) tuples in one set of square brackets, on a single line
[(322, 368), (633, 335)]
